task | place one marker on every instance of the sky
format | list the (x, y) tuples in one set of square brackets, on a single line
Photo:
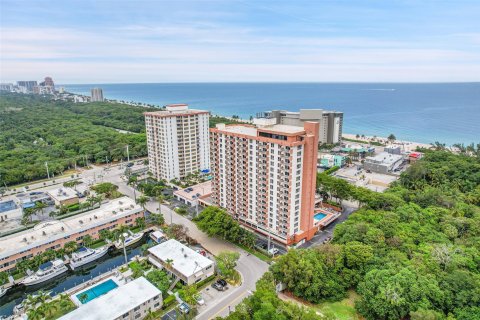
[(142, 41)]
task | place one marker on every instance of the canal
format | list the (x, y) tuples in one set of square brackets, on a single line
[(113, 259)]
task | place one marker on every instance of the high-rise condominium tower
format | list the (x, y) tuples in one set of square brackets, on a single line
[(331, 122), (177, 141), (97, 94), (265, 177)]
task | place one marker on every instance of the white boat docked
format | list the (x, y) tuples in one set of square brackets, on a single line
[(3, 291), (86, 255), (129, 239), (46, 272)]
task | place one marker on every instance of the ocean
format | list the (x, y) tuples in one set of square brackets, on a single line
[(420, 112)]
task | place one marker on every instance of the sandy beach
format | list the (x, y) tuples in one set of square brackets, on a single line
[(407, 145)]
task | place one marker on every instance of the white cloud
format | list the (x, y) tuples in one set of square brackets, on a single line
[(206, 52)]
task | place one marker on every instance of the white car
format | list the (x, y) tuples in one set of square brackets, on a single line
[(199, 299), (273, 251)]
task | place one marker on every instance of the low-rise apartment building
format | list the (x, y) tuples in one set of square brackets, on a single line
[(177, 141), (56, 233), (186, 264), (131, 301), (265, 177)]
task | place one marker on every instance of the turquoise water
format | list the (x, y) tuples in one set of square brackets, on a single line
[(422, 112), (319, 216), (97, 291)]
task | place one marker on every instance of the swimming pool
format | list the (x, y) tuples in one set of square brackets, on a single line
[(319, 216), (96, 291)]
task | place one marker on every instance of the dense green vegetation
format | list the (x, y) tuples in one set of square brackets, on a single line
[(216, 222), (412, 252), (35, 130)]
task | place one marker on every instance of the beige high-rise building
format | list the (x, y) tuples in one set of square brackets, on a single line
[(331, 122), (97, 94), (265, 177), (177, 140)]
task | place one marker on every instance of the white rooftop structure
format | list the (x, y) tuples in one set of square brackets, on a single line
[(49, 231), (384, 158), (117, 302), (62, 194), (252, 131), (185, 260)]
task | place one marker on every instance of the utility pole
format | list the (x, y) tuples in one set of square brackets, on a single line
[(46, 166), (128, 154)]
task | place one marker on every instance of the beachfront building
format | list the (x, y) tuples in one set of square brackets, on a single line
[(332, 160), (177, 141), (331, 122), (96, 95), (265, 177), (383, 162), (179, 260), (63, 196), (130, 301), (55, 234)]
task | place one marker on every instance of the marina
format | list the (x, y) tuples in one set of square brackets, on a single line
[(71, 278)]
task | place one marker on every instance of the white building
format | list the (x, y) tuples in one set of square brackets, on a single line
[(383, 162), (177, 141), (189, 266), (63, 196), (97, 95), (331, 122), (130, 301)]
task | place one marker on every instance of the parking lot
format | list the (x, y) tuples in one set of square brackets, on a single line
[(371, 180)]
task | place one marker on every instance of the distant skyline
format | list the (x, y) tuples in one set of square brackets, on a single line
[(240, 41)]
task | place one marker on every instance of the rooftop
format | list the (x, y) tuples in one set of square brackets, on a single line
[(199, 190), (384, 157), (52, 230), (185, 260), (115, 303), (253, 131), (174, 110), (63, 193)]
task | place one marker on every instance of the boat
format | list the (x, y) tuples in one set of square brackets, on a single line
[(86, 255), (129, 239), (45, 272), (3, 291)]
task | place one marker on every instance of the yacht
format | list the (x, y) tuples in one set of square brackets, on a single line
[(3, 291), (129, 239), (46, 272), (86, 255)]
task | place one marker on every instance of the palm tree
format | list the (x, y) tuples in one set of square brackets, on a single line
[(150, 315), (39, 206), (120, 236), (87, 240), (142, 201), (36, 314), (70, 247), (169, 264), (140, 222)]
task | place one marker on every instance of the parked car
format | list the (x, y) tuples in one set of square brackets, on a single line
[(199, 299), (130, 164), (273, 251), (184, 308), (218, 286), (222, 282)]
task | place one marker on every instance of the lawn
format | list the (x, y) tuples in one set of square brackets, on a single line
[(342, 310)]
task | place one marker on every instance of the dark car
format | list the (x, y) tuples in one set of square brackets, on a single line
[(222, 282), (130, 164), (218, 286)]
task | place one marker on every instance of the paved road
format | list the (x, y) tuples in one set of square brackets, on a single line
[(250, 267), (320, 237)]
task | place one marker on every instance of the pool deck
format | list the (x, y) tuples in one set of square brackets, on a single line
[(329, 217), (74, 292)]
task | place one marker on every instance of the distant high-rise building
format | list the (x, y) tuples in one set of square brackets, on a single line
[(177, 141), (26, 86), (6, 86), (97, 94), (331, 122), (265, 177)]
